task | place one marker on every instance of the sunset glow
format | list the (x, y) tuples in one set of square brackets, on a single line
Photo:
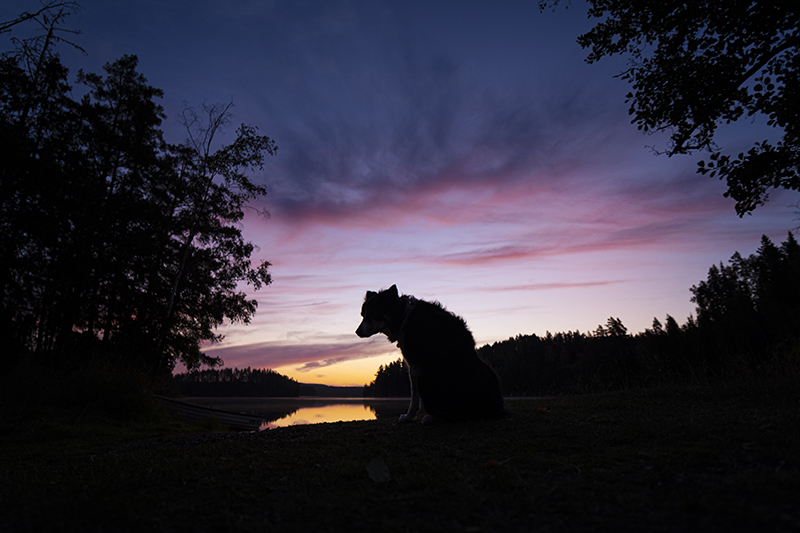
[(464, 152)]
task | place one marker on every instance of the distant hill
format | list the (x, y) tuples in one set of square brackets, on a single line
[(328, 391)]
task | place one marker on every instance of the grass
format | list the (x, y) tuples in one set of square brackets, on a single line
[(720, 457)]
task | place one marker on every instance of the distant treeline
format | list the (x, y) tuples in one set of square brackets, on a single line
[(391, 381), (748, 318), (237, 383)]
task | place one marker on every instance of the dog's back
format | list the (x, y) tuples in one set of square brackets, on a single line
[(440, 350)]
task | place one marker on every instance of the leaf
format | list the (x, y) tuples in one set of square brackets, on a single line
[(378, 471)]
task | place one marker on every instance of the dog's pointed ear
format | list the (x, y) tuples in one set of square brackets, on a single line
[(392, 290), (369, 295)]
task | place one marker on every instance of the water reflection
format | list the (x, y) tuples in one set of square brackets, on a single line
[(324, 413), (281, 412)]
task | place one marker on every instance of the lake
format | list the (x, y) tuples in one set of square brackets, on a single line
[(281, 412)]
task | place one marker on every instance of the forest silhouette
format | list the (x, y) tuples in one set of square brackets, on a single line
[(235, 382), (748, 320)]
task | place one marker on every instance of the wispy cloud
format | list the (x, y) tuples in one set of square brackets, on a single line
[(303, 356), (425, 126), (549, 286)]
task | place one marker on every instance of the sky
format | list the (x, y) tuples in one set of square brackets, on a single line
[(462, 150)]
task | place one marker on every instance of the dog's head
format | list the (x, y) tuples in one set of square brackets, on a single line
[(376, 312)]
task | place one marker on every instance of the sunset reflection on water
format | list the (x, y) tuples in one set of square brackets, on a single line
[(283, 412), (326, 413)]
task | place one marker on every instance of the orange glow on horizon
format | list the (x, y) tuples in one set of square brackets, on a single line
[(354, 373)]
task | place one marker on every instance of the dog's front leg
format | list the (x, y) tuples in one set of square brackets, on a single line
[(416, 404), (413, 407)]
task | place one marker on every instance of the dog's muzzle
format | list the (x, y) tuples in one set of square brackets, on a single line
[(368, 328)]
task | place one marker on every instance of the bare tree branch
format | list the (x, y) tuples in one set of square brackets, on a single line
[(48, 17), (44, 10)]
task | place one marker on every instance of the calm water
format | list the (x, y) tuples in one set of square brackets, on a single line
[(280, 412)]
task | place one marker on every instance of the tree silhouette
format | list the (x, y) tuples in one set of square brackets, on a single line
[(696, 65), (38, 132), (212, 257), (115, 242), (752, 303)]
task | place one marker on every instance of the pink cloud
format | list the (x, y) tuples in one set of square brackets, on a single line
[(551, 286), (305, 356)]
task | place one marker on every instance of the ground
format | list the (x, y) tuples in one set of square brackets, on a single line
[(678, 458)]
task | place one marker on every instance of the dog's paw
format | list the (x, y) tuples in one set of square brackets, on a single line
[(406, 418), (428, 419)]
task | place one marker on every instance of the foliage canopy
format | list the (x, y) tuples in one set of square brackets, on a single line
[(113, 240), (696, 65)]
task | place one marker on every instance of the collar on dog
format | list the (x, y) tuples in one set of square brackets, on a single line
[(411, 302)]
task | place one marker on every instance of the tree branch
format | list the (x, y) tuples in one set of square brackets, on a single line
[(680, 147), (25, 16)]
